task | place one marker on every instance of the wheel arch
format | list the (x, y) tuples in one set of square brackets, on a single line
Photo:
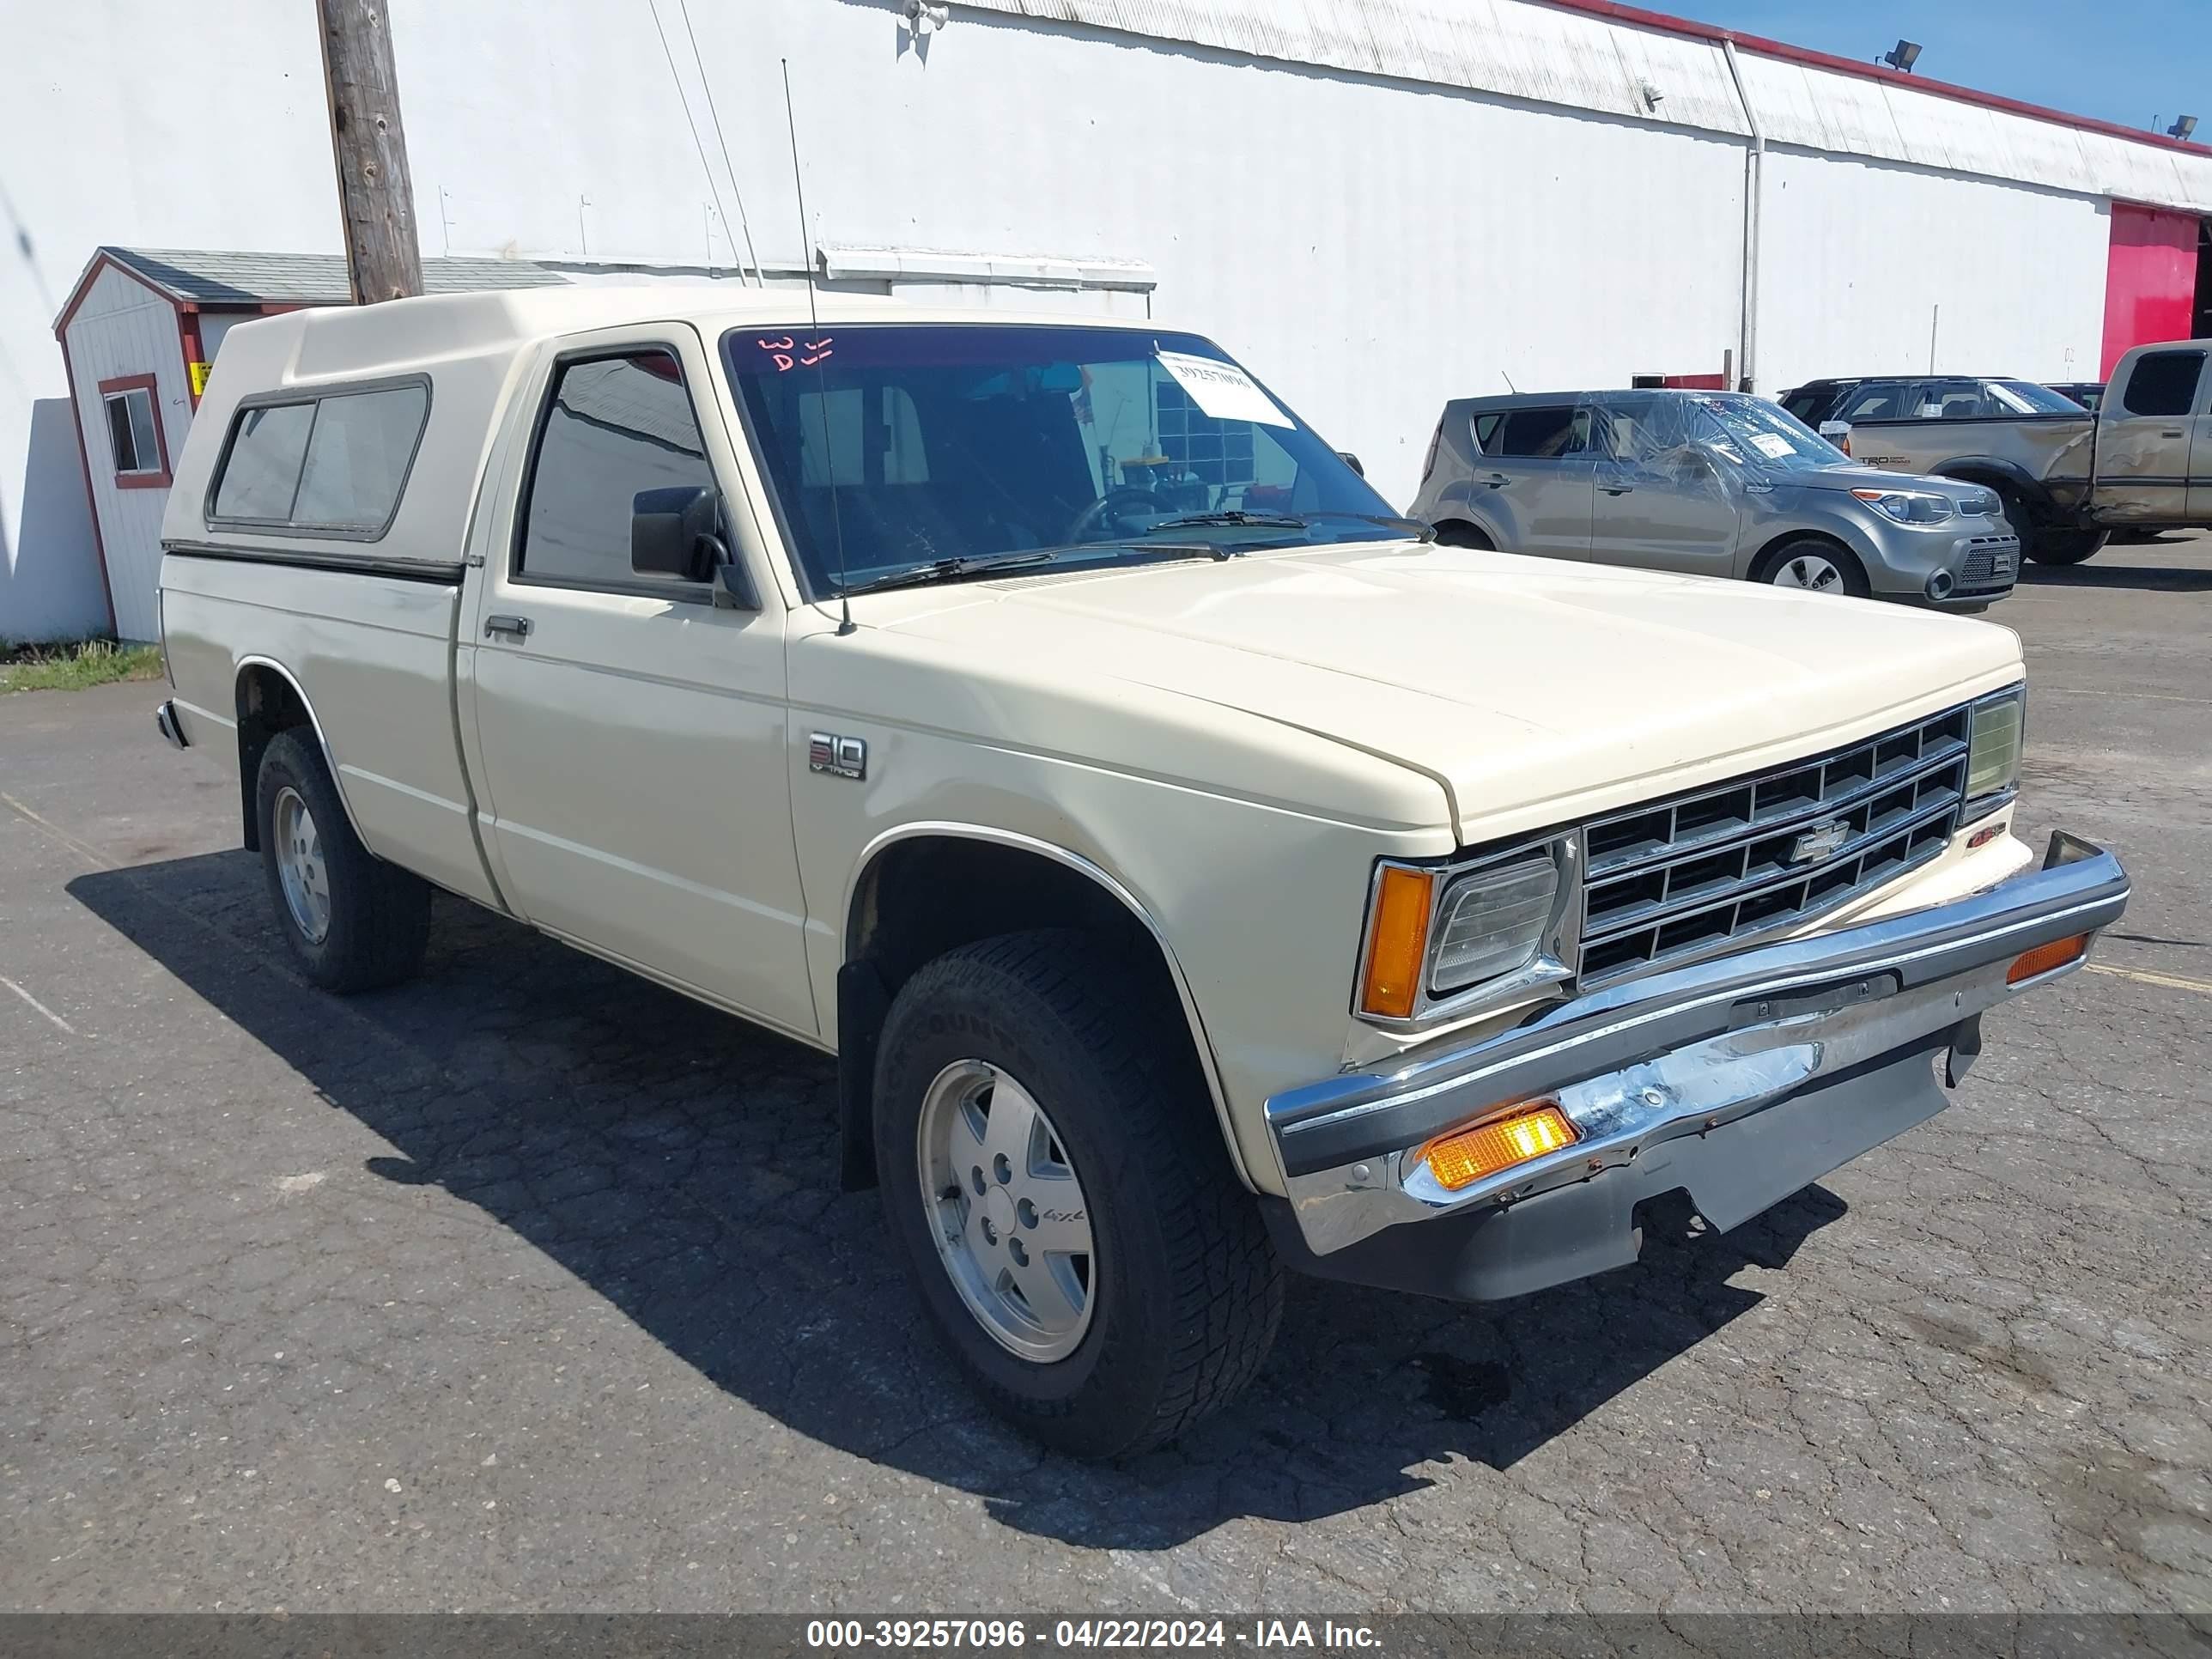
[(884, 939), (270, 700), (1995, 472)]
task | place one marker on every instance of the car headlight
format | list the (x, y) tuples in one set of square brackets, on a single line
[(1441, 940), (1490, 924), (1909, 505), (1993, 744)]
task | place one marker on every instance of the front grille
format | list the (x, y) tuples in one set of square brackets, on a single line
[(1978, 506), (1687, 875), (1992, 563)]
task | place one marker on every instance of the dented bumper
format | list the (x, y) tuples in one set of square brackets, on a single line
[(1742, 1080)]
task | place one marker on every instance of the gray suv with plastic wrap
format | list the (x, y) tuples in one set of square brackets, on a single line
[(1711, 483)]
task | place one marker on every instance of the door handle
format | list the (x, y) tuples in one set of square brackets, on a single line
[(1617, 489), (1497, 481), (514, 628), (2173, 434)]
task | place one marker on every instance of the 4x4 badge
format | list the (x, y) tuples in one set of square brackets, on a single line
[(841, 757)]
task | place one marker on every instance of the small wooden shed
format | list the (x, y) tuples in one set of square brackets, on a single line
[(138, 334)]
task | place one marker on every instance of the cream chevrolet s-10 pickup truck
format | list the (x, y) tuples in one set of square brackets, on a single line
[(1193, 870)]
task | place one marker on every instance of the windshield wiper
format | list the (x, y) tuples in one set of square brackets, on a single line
[(964, 566), (1240, 518)]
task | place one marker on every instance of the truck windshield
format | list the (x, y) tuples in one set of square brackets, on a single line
[(1762, 438), (901, 446)]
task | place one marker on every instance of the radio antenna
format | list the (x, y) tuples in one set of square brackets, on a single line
[(815, 351)]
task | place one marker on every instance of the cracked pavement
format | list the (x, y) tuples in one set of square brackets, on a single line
[(527, 1285)]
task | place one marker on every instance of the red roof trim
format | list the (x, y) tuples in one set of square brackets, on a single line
[(1637, 16), (102, 258)]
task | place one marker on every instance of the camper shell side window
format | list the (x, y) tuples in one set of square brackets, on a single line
[(330, 461)]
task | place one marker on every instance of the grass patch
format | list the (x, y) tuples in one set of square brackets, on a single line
[(73, 665)]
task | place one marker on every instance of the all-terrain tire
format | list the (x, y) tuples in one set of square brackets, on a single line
[(1186, 1289), (379, 914), (2060, 546)]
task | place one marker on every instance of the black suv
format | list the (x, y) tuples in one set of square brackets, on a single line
[(1923, 398)]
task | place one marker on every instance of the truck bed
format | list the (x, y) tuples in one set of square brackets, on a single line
[(2057, 450)]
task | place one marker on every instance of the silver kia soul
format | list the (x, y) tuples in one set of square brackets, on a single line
[(1715, 483)]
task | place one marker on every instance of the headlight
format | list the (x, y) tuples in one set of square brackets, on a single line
[(1440, 941), (1994, 744), (1908, 506), (1490, 924)]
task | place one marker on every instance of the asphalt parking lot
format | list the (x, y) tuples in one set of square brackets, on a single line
[(529, 1286)]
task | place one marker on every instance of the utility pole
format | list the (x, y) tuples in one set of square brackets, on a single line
[(376, 196)]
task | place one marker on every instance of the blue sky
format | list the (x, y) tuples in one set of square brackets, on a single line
[(2120, 60)]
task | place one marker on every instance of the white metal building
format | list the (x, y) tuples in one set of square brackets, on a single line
[(1378, 203)]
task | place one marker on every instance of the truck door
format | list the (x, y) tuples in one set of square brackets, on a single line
[(1662, 503), (2144, 435), (1535, 460), (629, 733)]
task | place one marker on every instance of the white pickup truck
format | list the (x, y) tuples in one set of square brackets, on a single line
[(1192, 870)]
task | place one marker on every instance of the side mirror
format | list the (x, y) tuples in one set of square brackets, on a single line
[(1351, 461), (1837, 433), (677, 532), (1690, 464)]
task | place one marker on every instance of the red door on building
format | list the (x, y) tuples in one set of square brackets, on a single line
[(2150, 279)]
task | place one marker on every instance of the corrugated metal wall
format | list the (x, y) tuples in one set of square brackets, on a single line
[(1380, 203)]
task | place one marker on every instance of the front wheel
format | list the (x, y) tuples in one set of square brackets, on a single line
[(1053, 1172), (2061, 546), (1813, 566)]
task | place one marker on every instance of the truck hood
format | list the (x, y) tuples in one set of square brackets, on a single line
[(1532, 691)]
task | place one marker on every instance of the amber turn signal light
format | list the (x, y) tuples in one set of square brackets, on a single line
[(1398, 944), (2045, 957), (1467, 1156)]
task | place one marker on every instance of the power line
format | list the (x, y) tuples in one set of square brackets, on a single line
[(738, 196), (705, 167)]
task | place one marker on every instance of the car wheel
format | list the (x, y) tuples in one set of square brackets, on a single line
[(1457, 532), (354, 921), (2065, 546), (1054, 1173), (1813, 567)]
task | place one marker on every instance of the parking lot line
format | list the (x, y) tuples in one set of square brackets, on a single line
[(2094, 691), (41, 1007), (85, 849), (2172, 981)]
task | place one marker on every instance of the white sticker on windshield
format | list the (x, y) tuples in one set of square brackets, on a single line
[(1222, 390), (1773, 445)]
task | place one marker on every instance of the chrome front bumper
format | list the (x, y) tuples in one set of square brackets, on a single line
[(1742, 1079)]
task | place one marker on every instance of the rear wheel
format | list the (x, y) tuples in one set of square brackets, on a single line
[(354, 921), (1813, 566), (1457, 532), (1055, 1179)]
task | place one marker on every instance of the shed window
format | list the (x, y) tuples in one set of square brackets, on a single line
[(130, 431), (134, 433), (334, 464)]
